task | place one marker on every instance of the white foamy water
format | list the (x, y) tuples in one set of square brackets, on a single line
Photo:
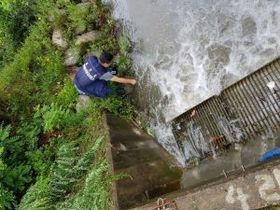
[(189, 50)]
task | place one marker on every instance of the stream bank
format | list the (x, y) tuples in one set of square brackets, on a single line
[(52, 156)]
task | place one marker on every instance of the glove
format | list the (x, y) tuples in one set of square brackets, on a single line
[(113, 70)]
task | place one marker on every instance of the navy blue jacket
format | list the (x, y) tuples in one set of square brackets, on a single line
[(87, 80)]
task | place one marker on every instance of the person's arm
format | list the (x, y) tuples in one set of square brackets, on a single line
[(123, 80)]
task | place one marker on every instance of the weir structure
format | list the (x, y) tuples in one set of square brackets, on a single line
[(246, 113), (245, 110)]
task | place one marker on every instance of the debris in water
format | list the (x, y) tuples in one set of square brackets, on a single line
[(193, 113), (225, 174), (217, 141), (271, 85), (243, 168), (178, 127)]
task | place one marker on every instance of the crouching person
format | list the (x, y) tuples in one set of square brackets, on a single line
[(92, 78)]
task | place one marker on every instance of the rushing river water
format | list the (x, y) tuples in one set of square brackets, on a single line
[(189, 50)]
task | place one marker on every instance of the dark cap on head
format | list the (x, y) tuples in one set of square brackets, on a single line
[(106, 57)]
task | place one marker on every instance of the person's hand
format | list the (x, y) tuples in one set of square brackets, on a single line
[(133, 81)]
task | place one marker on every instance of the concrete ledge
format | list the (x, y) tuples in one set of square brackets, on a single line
[(109, 158), (259, 187)]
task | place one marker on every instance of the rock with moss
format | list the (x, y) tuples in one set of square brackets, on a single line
[(58, 39), (84, 4), (83, 102), (86, 37), (79, 30), (72, 56)]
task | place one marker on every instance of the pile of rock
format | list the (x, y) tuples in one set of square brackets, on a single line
[(72, 53), (82, 36), (72, 50)]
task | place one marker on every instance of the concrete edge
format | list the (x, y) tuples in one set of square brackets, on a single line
[(109, 158), (214, 182)]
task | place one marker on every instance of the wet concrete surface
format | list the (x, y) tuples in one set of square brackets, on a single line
[(150, 170), (238, 158), (153, 173)]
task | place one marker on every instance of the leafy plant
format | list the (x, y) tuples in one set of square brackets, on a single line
[(106, 40), (78, 15), (119, 106), (95, 194), (67, 96), (7, 199), (39, 161), (16, 17), (29, 132), (125, 45), (18, 177), (2, 164), (11, 145), (124, 64), (61, 179), (52, 115), (4, 132), (69, 169), (37, 197)]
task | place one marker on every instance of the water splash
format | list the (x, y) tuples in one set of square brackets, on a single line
[(218, 45), (165, 137), (197, 140), (231, 130)]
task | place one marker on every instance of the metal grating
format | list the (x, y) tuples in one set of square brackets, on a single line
[(246, 109)]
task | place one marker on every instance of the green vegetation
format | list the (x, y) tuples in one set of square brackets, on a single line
[(271, 208), (16, 17), (52, 157)]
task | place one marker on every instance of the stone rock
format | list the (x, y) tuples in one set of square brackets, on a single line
[(71, 57), (83, 102), (79, 30), (58, 39), (86, 37), (84, 4)]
